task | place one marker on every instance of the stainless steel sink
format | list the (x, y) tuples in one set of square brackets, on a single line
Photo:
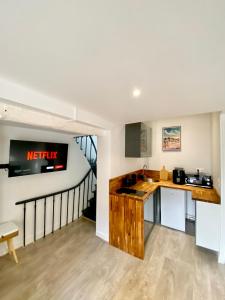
[(150, 180)]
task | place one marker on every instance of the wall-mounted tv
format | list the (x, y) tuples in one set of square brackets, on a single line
[(28, 157)]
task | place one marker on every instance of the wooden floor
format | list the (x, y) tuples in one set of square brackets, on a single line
[(74, 264)]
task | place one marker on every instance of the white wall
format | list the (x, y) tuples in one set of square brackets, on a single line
[(200, 147), (119, 163), (196, 151), (103, 169), (20, 114), (216, 165), (222, 225), (16, 93), (21, 96), (21, 188)]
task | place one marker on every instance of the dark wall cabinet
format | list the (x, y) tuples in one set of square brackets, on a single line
[(138, 140)]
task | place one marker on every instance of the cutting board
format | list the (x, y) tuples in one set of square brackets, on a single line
[(164, 174)]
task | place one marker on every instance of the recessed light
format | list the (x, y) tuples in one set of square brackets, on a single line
[(136, 92)]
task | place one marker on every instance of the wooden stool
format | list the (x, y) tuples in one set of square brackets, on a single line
[(7, 232)]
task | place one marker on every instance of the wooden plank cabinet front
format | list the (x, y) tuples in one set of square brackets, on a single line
[(127, 224), (116, 237)]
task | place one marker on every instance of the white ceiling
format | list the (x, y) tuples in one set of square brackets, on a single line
[(92, 53)]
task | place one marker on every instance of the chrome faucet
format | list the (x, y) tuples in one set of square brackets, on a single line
[(145, 167)]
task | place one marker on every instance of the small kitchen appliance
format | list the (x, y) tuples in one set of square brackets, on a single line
[(179, 176), (130, 180), (199, 179)]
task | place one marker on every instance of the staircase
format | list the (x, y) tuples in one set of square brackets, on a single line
[(88, 147)]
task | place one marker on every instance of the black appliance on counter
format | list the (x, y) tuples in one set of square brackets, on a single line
[(130, 180), (179, 176), (200, 180)]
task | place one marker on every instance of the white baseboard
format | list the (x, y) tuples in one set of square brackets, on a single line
[(18, 241), (102, 236)]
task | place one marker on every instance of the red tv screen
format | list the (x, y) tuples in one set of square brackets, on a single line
[(28, 157)]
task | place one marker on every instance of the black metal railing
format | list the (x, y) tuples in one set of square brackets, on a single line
[(89, 150), (83, 198), (87, 146)]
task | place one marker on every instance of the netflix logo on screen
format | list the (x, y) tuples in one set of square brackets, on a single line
[(31, 155), (28, 157)]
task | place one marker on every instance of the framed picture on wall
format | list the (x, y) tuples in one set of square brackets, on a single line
[(171, 138)]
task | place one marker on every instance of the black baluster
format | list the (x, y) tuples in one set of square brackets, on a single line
[(53, 213), (24, 224), (44, 217), (90, 153), (60, 223), (92, 181), (88, 187), (86, 147), (79, 203), (81, 142), (83, 194), (35, 218), (73, 204), (67, 209)]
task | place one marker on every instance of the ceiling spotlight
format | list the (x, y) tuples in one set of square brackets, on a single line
[(136, 92)]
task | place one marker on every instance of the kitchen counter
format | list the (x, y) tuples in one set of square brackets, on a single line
[(126, 225), (198, 193)]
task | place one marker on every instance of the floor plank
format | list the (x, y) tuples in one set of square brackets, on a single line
[(75, 264)]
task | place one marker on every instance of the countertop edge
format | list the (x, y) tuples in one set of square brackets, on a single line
[(166, 184)]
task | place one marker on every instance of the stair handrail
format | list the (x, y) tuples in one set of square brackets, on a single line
[(46, 197)]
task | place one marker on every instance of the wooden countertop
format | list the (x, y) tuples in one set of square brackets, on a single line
[(198, 193)]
